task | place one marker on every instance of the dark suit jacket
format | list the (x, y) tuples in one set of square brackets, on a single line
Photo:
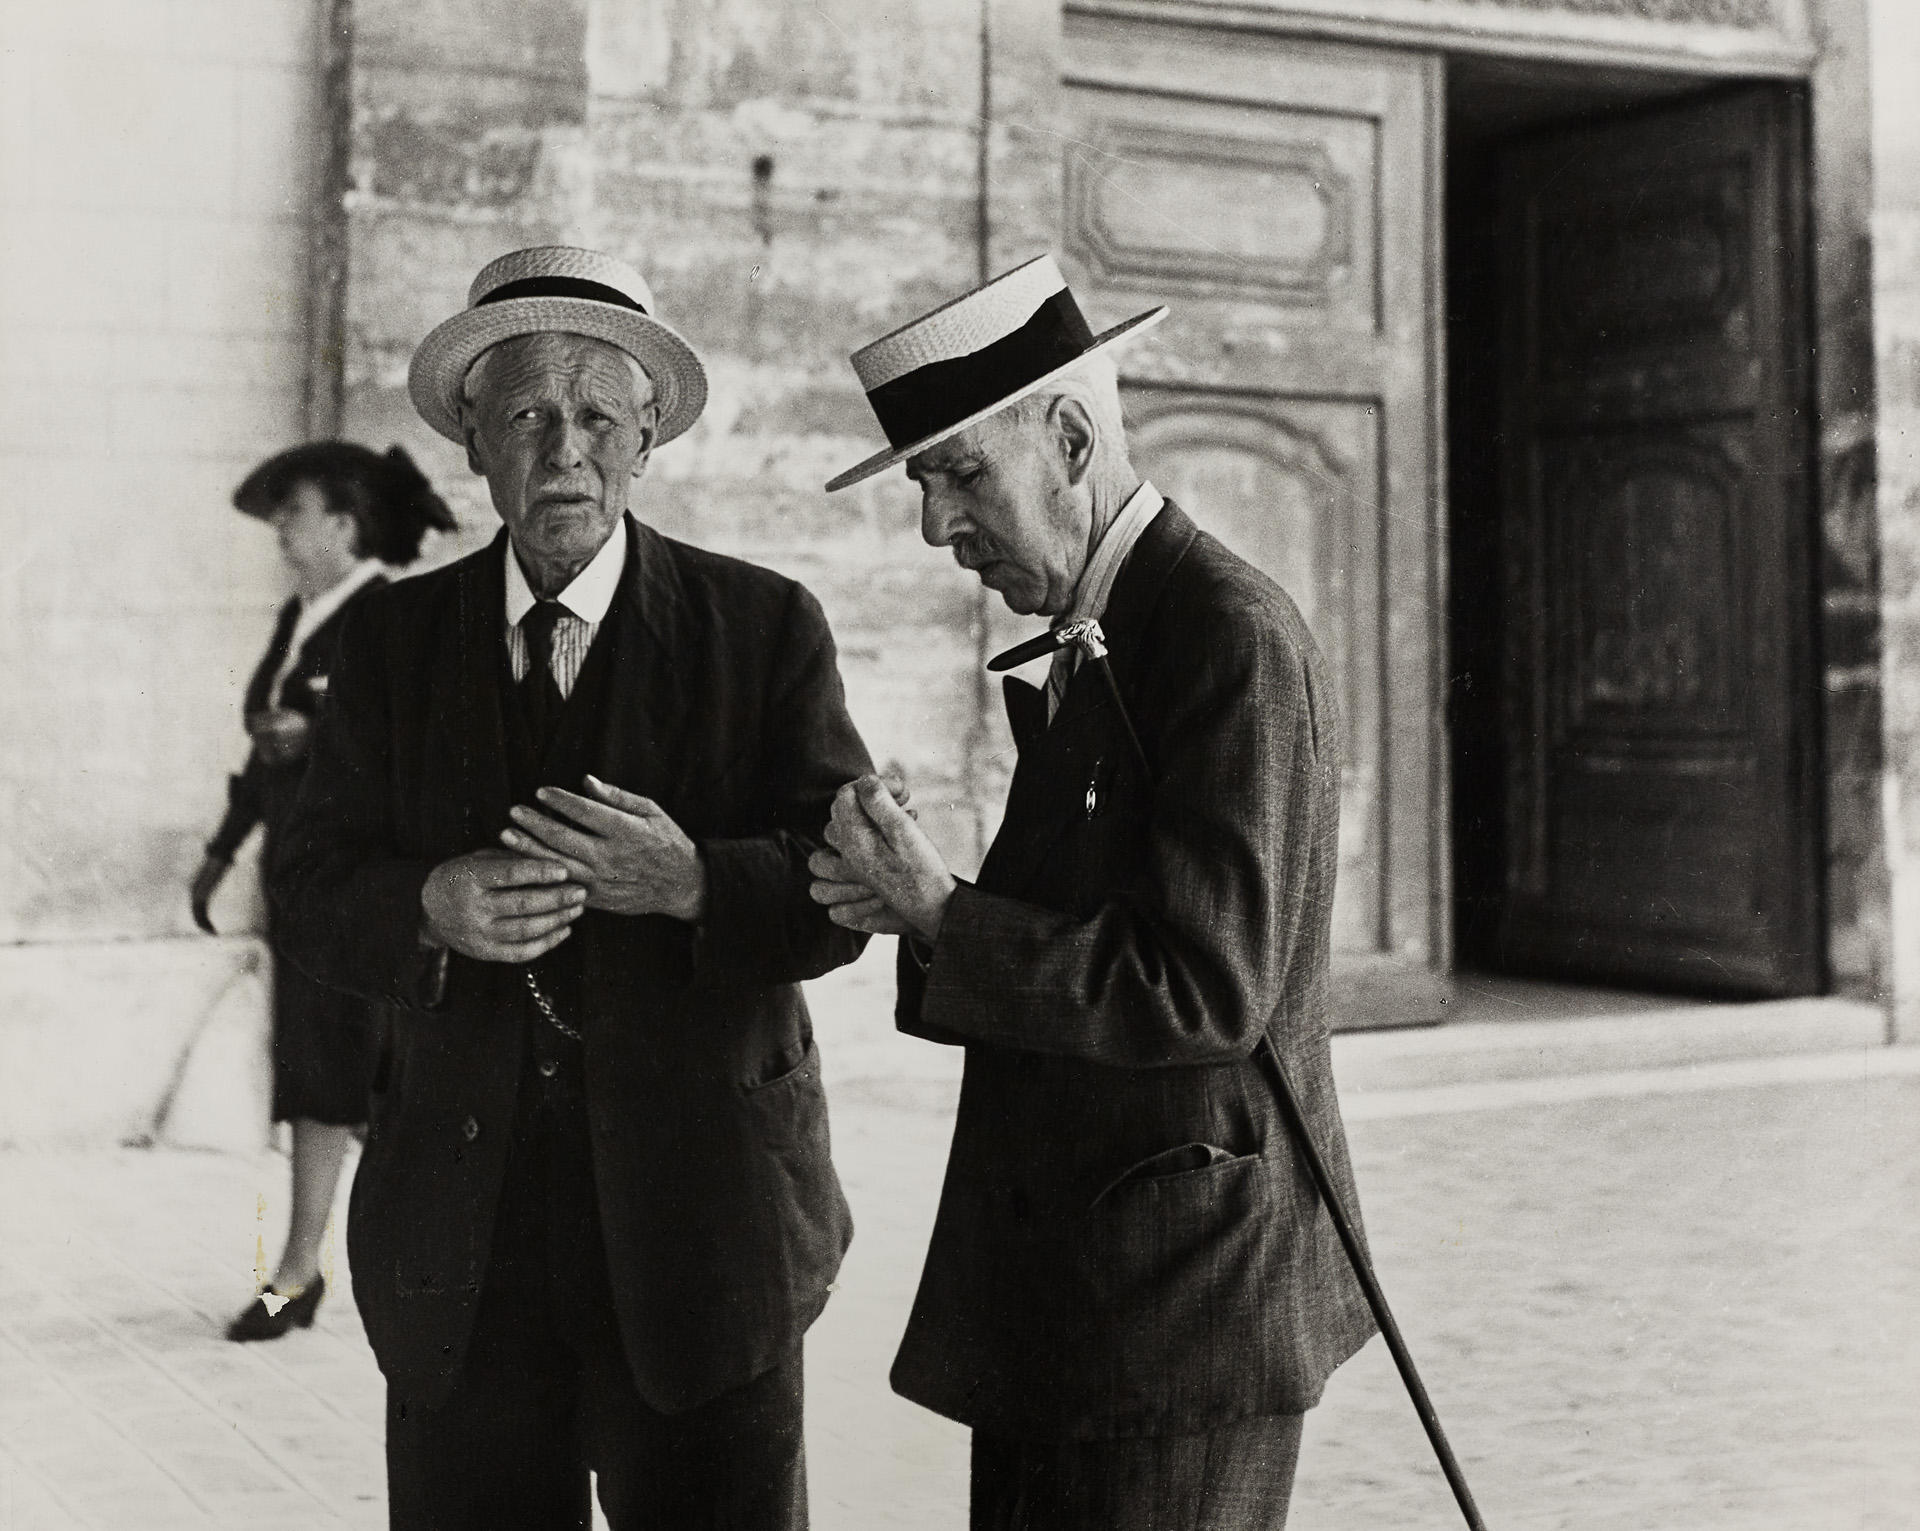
[(262, 792), (1127, 1242), (722, 1216)]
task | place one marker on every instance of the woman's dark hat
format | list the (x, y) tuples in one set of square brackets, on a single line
[(557, 289), (974, 356), (392, 503)]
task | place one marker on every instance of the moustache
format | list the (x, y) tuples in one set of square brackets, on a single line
[(974, 553)]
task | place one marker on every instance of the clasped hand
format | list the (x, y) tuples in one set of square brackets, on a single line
[(620, 852), (494, 906), (882, 875), (623, 849)]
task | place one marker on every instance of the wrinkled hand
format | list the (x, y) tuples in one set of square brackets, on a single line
[(622, 848), (280, 735), (494, 906), (206, 882), (885, 876), (850, 901)]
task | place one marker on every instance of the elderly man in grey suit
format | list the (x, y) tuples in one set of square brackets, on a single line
[(1133, 1292)]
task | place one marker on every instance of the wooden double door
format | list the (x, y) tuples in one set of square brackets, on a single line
[(1647, 568), (1659, 719)]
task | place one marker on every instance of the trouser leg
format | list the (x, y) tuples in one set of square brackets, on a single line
[(1237, 1478), (504, 1450), (734, 1463)]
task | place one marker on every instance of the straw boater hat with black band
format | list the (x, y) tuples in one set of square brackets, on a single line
[(557, 289), (985, 350)]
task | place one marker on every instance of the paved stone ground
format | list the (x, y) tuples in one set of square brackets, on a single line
[(1681, 1308)]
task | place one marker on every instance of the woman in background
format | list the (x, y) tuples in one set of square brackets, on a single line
[(343, 514)]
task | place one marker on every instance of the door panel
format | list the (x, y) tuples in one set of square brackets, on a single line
[(1278, 196), (1293, 486), (1662, 826)]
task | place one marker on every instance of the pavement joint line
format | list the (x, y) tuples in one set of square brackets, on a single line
[(107, 1422), (1704, 1024), (262, 1356), (213, 1406), (1605, 1084), (25, 1467)]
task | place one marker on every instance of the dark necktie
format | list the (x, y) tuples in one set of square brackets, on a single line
[(539, 692)]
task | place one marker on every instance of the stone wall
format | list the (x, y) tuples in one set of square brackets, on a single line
[(793, 181), (156, 172), (155, 180), (1847, 566), (1895, 270)]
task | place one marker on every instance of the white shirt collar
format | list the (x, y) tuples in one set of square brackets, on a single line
[(591, 591), (1096, 580), (316, 611)]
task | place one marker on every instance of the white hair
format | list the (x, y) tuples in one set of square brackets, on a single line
[(644, 393), (1095, 382)]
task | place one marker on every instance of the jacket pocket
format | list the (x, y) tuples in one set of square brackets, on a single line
[(786, 1065), (1171, 1274), (804, 1223), (1173, 1164)]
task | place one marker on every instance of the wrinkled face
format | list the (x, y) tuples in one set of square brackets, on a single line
[(316, 541), (556, 428), (998, 494)]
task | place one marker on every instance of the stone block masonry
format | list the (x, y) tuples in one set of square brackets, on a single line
[(792, 181)]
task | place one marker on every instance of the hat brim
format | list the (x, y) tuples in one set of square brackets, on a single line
[(439, 368), (890, 456)]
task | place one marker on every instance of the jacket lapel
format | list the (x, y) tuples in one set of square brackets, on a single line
[(1030, 827), (644, 719), (468, 714), (1026, 711), (257, 697)]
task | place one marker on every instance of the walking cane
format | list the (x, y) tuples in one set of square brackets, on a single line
[(1376, 1299), (1086, 636)]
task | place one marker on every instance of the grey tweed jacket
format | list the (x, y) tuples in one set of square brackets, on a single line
[(1127, 1242)]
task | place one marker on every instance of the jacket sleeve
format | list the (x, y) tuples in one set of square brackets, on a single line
[(349, 903), (761, 926), (247, 789), (911, 963), (1185, 963), (244, 810)]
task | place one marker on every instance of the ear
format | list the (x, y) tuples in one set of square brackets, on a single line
[(649, 431), (475, 464), (1075, 435)]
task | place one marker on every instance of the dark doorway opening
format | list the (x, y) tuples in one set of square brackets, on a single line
[(1631, 613)]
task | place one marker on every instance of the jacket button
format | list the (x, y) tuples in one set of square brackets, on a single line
[(548, 1068), (470, 1129)]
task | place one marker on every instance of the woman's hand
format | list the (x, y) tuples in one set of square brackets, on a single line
[(206, 882), (280, 735)]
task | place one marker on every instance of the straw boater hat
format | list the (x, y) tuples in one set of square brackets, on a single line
[(981, 352), (557, 288)]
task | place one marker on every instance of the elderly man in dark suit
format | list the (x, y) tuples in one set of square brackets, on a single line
[(558, 819), (1132, 1293)]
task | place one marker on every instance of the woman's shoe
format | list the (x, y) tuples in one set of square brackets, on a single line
[(258, 1320)]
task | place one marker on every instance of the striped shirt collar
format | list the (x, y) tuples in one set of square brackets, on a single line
[(588, 595), (1090, 596)]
